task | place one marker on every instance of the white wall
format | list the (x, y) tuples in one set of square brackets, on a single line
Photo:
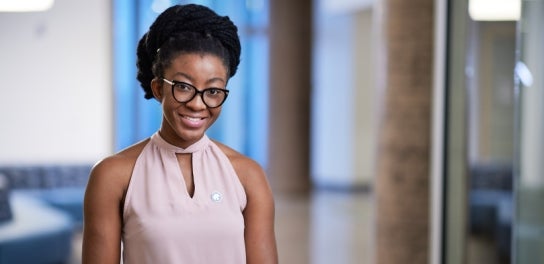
[(56, 84)]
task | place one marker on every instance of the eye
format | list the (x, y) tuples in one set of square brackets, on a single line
[(213, 91), (181, 86)]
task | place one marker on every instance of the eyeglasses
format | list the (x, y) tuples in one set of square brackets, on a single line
[(184, 92)]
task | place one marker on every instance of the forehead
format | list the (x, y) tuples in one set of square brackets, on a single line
[(197, 65)]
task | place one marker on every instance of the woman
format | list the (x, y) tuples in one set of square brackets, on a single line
[(179, 197)]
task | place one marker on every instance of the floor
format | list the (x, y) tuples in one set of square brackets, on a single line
[(320, 228), (325, 227)]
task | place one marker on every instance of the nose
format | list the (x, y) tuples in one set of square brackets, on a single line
[(197, 103)]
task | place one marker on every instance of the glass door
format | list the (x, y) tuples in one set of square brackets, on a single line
[(528, 235), (479, 136)]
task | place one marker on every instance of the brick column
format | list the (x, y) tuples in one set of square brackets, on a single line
[(403, 156), (290, 74)]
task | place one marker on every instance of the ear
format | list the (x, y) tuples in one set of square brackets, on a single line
[(156, 88)]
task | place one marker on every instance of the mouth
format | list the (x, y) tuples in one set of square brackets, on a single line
[(193, 121)]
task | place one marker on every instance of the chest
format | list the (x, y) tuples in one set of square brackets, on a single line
[(186, 170)]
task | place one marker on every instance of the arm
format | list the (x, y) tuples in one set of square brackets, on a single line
[(102, 214), (258, 216)]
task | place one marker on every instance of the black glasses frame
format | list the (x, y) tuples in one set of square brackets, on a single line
[(173, 83)]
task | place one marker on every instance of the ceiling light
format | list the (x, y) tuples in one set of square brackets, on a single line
[(494, 10), (25, 5)]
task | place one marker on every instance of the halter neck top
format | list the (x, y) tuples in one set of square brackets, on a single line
[(163, 224)]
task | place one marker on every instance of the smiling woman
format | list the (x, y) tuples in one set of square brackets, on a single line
[(178, 196)]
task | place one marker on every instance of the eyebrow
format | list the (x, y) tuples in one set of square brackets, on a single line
[(212, 80)]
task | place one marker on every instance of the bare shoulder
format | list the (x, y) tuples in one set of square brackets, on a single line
[(102, 205), (121, 162), (115, 171), (248, 170)]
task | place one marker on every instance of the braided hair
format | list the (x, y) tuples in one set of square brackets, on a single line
[(186, 29)]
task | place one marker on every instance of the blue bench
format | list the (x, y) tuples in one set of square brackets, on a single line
[(36, 234), (42, 209), (491, 201)]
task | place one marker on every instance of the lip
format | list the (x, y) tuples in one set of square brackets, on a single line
[(193, 121)]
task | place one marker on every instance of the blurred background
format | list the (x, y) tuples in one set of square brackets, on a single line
[(391, 131)]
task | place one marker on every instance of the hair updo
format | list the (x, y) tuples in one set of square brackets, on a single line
[(186, 29)]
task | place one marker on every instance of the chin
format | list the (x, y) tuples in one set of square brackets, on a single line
[(190, 135)]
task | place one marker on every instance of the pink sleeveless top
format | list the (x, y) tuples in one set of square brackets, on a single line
[(163, 224)]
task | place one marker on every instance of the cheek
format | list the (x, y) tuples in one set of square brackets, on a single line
[(216, 112), (169, 106)]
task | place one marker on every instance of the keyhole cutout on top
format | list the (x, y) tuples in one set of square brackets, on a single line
[(185, 161)]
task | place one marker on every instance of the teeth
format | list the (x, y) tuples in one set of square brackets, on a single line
[(192, 118)]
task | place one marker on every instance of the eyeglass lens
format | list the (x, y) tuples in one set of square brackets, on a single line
[(212, 97)]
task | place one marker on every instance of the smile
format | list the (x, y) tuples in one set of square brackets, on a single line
[(193, 119), (193, 122)]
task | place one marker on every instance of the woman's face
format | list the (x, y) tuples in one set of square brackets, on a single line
[(185, 123)]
